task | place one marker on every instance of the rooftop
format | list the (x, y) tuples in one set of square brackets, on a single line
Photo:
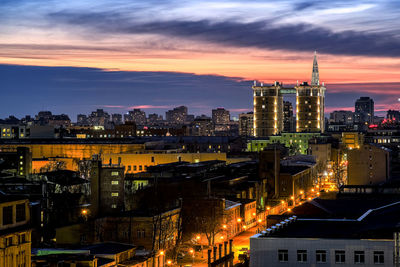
[(108, 248)]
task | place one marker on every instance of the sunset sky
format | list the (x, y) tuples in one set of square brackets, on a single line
[(77, 55)]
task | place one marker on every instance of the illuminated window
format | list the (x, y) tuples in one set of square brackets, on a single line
[(114, 173), (113, 206), (114, 182), (114, 194)]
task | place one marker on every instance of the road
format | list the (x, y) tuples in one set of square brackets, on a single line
[(239, 242)]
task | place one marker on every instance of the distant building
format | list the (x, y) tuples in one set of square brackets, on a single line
[(154, 119), (202, 126), (364, 111), (99, 118), (82, 120), (177, 115), (342, 117), (137, 116), (246, 124), (116, 119), (288, 119), (220, 116), (393, 115)]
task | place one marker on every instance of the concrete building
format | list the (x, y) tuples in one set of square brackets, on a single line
[(268, 110), (367, 240), (296, 142), (139, 162), (246, 124), (369, 164), (221, 116), (202, 126), (99, 118), (107, 188), (352, 140), (137, 116), (15, 232), (342, 117), (177, 115), (288, 119), (310, 103), (116, 118), (393, 115), (364, 111)]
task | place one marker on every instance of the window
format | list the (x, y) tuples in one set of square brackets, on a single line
[(359, 257), (114, 194), (9, 241), (113, 206), (141, 233), (114, 173), (283, 255), (7, 215), (20, 212), (22, 239), (379, 257), (320, 256), (129, 168), (114, 182), (134, 167), (152, 159), (340, 256), (302, 255), (140, 167)]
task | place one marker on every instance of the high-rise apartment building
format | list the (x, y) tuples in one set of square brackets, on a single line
[(99, 118), (220, 116), (364, 110), (310, 102), (116, 119), (246, 124), (177, 115), (342, 117), (137, 116), (268, 110), (288, 119)]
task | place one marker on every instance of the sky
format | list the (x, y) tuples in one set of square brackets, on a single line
[(78, 55)]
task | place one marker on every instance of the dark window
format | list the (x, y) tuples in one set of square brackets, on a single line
[(152, 159), (20, 212), (359, 257), (379, 257), (7, 215), (302, 255), (320, 256), (283, 255), (340, 256)]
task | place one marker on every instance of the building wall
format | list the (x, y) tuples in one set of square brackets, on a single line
[(310, 101), (298, 140), (135, 163), (264, 251), (79, 151), (368, 165), (15, 244), (268, 110), (352, 140), (323, 154)]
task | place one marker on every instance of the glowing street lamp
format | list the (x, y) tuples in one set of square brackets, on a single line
[(239, 220), (301, 192), (161, 252), (197, 237), (169, 262), (259, 220), (224, 226)]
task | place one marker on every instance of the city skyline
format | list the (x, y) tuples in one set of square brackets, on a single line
[(100, 56)]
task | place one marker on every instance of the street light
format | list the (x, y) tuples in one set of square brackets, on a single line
[(161, 252), (169, 262), (259, 220), (239, 220), (224, 226)]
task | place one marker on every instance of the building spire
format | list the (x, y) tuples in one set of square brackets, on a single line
[(315, 72)]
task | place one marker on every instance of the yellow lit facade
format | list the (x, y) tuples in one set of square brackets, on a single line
[(310, 102), (135, 163), (268, 110), (15, 240)]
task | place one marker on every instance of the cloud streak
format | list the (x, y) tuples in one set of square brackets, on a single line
[(260, 34)]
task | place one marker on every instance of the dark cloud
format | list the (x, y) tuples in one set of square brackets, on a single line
[(261, 34)]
